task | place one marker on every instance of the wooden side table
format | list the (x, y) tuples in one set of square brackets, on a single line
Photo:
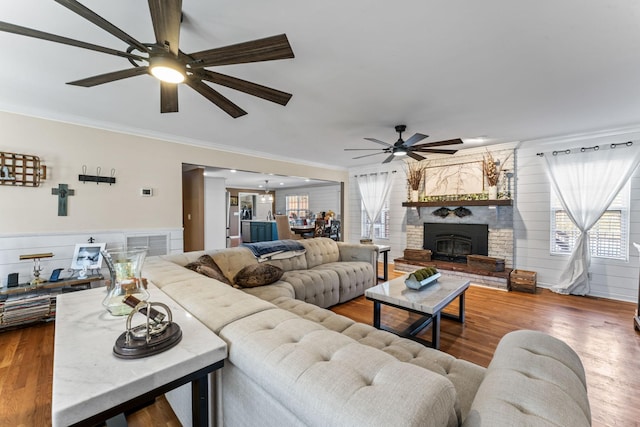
[(91, 385)]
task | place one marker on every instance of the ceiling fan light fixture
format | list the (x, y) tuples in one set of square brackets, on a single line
[(400, 152), (166, 69)]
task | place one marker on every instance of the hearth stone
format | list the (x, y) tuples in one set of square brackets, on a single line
[(497, 280)]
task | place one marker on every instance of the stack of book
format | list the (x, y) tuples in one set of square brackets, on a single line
[(24, 308)]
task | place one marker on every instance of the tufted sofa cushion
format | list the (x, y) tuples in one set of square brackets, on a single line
[(465, 376), (212, 302), (314, 371), (321, 316), (319, 287), (533, 379), (297, 262), (353, 277), (320, 251), (272, 292)]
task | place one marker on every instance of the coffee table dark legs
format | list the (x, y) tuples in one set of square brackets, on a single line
[(385, 266), (420, 324), (435, 331)]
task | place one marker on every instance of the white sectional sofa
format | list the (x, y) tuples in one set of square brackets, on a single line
[(292, 362)]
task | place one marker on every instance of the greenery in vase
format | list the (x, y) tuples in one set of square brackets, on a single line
[(491, 169), (424, 273), (414, 172)]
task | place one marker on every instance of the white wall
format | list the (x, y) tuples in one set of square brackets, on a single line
[(215, 219), (138, 162), (610, 278), (104, 209), (62, 245)]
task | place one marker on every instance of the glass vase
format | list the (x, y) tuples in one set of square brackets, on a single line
[(125, 269)]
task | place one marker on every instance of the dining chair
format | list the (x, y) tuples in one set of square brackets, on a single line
[(283, 228), (320, 225)]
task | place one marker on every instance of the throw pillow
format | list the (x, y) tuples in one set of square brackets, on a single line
[(214, 273), (257, 275), (193, 266), (207, 266), (208, 261)]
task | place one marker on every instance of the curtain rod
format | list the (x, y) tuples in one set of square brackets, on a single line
[(583, 149), (372, 173)]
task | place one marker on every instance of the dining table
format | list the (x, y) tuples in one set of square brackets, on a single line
[(302, 229)]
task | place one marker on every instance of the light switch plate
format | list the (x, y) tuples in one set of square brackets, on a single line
[(146, 192)]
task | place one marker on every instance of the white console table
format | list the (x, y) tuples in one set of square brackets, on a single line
[(91, 385)]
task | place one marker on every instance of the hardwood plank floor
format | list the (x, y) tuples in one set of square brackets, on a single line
[(600, 330)]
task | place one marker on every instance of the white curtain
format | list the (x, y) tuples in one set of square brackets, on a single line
[(374, 189), (586, 183)]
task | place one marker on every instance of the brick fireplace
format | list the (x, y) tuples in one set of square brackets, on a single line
[(453, 242), (497, 219)]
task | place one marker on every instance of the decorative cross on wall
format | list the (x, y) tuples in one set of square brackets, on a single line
[(62, 192)]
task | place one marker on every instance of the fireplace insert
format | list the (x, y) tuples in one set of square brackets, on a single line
[(453, 242)]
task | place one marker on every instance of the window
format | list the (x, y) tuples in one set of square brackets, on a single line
[(609, 238), (297, 206), (380, 227)]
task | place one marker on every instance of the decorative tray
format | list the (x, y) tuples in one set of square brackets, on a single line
[(412, 283)]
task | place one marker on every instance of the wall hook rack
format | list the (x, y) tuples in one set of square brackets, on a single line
[(97, 178)]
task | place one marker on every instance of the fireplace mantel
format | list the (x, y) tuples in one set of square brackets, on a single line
[(446, 203), (500, 202)]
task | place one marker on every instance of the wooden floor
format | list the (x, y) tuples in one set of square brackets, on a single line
[(601, 331)]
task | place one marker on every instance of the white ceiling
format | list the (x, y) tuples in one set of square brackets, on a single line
[(257, 181), (509, 70)]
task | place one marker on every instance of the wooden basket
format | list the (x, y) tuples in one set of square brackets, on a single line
[(523, 281), (485, 263), (417, 254)]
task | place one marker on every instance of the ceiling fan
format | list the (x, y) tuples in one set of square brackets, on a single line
[(408, 147), (164, 60)]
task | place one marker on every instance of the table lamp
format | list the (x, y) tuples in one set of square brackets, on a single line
[(36, 265)]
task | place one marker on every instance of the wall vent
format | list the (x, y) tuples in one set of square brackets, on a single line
[(158, 244)]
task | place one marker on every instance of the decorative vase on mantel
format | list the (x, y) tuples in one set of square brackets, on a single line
[(493, 192), (415, 195)]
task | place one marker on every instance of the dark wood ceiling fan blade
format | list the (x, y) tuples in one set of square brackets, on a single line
[(440, 143), (29, 32), (214, 96), (415, 138), (433, 150), (377, 141), (168, 97), (267, 49), (388, 159), (166, 15), (254, 89), (110, 77), (415, 156), (368, 155), (98, 20)]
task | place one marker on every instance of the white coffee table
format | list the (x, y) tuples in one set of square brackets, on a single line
[(428, 301), (91, 385)]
